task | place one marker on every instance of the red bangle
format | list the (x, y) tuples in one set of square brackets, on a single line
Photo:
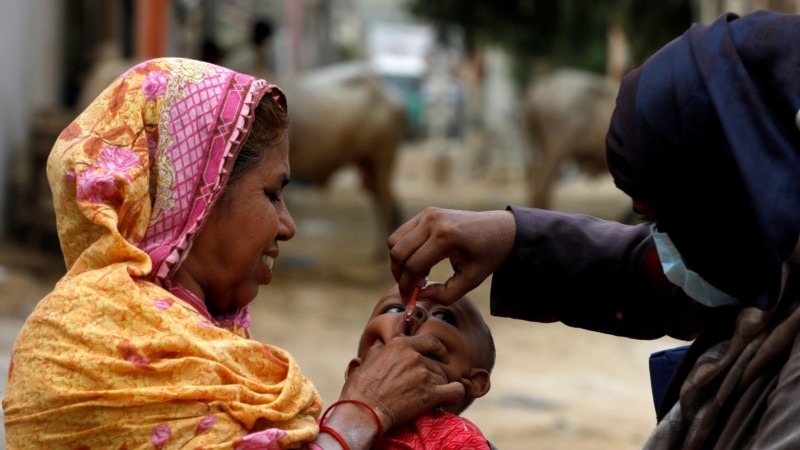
[(356, 402), (332, 432)]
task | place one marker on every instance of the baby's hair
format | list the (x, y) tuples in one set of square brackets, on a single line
[(490, 352)]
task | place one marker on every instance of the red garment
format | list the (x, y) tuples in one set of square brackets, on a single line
[(435, 431)]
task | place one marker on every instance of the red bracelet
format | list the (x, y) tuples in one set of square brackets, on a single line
[(356, 402), (332, 432)]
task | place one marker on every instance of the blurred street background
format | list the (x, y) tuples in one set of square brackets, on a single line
[(502, 103)]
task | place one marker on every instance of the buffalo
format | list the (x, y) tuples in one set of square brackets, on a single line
[(565, 115), (343, 116)]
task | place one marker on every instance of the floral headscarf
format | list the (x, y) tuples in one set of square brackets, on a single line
[(115, 356)]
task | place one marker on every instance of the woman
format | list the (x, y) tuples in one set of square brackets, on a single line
[(168, 194), (705, 139)]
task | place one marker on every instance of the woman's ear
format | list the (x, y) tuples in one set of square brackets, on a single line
[(354, 364), (478, 383)]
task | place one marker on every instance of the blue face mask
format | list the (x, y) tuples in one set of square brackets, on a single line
[(690, 281)]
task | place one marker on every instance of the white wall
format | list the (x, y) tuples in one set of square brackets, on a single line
[(29, 75)]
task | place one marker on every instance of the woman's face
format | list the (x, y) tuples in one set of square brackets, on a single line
[(456, 326), (234, 252)]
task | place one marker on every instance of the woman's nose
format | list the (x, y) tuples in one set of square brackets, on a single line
[(287, 228)]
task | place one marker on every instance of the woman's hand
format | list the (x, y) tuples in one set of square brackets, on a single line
[(476, 243), (401, 380)]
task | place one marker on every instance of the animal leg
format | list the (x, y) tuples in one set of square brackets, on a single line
[(376, 179)]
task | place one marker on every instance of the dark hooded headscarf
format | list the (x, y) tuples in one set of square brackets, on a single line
[(706, 133)]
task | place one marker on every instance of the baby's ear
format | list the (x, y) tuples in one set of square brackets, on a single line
[(478, 383), (354, 364)]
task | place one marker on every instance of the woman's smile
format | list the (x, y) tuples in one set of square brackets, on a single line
[(267, 262)]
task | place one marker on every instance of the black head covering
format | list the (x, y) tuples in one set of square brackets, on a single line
[(706, 132)]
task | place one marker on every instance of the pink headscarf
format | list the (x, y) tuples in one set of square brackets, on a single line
[(113, 357), (171, 126)]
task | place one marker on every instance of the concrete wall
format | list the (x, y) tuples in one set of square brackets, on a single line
[(29, 77)]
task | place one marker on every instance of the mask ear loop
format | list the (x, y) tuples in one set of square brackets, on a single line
[(797, 119), (794, 257), (792, 263)]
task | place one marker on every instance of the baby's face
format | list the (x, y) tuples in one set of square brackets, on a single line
[(456, 326)]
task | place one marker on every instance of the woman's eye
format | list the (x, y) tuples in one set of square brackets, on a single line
[(274, 197), (445, 316)]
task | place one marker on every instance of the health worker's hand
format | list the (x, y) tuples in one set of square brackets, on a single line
[(476, 243)]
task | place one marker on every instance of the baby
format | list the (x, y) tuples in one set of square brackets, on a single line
[(462, 330)]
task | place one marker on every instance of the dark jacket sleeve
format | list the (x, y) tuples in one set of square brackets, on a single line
[(593, 274)]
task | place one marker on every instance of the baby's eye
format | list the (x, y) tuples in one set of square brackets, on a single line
[(393, 309), (445, 316)]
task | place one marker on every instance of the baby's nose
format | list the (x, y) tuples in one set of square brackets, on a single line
[(419, 313), (415, 321)]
